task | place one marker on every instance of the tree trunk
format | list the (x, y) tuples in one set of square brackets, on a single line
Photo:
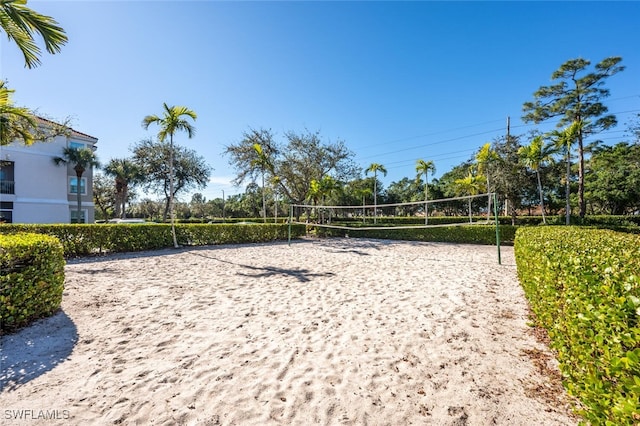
[(125, 194), (544, 220), (581, 201), (375, 198), (426, 199), (171, 209), (79, 173), (264, 202), (489, 191), (568, 205)]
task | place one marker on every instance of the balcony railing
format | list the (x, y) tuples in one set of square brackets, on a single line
[(7, 187)]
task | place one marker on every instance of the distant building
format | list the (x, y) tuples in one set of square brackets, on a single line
[(33, 189)]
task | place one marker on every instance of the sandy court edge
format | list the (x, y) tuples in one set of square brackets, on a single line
[(336, 331)]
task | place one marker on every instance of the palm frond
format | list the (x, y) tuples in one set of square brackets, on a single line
[(22, 24)]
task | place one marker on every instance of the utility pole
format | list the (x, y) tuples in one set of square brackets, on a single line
[(506, 202)]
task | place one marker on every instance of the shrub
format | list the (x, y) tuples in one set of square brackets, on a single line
[(584, 288), (84, 240), (470, 234), (31, 279)]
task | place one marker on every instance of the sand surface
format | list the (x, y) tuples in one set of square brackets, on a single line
[(338, 331)]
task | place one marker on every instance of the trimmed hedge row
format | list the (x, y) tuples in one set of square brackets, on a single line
[(471, 234), (584, 288), (84, 240), (31, 278)]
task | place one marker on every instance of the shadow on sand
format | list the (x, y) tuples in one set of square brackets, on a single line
[(35, 350)]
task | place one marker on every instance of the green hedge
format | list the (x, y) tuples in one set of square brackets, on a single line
[(584, 287), (84, 240), (31, 278), (470, 234)]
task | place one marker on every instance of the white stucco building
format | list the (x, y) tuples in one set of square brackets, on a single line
[(33, 189)]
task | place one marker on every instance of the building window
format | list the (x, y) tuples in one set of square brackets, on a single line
[(76, 145), (73, 185), (7, 185), (6, 212), (74, 216)]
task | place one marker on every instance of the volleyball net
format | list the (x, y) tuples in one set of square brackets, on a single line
[(357, 220)]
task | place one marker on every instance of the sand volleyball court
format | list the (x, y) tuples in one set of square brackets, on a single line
[(332, 332)]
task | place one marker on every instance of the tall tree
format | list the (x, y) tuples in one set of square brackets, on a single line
[(81, 159), (125, 173), (190, 170), (576, 97), (472, 184), (375, 168), (263, 162), (21, 25), (104, 196), (172, 120), (424, 167), (508, 175), (563, 140), (486, 159), (534, 156), (301, 158)]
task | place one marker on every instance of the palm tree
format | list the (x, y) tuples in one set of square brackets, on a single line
[(20, 24), (563, 140), (15, 122), (172, 120), (375, 168), (472, 185), (263, 162), (125, 172), (485, 158), (425, 167), (81, 159), (533, 156)]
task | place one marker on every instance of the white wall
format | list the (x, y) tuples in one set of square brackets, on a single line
[(41, 187)]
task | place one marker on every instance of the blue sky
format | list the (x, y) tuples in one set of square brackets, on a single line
[(396, 81)]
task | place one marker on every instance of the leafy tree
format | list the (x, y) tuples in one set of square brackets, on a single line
[(81, 159), (173, 119), (424, 167), (294, 163), (199, 205), (533, 156), (104, 196), (403, 191), (576, 97), (508, 175), (125, 172), (189, 171), (613, 181), (21, 24), (149, 209), (471, 184), (375, 168), (322, 189), (634, 129)]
